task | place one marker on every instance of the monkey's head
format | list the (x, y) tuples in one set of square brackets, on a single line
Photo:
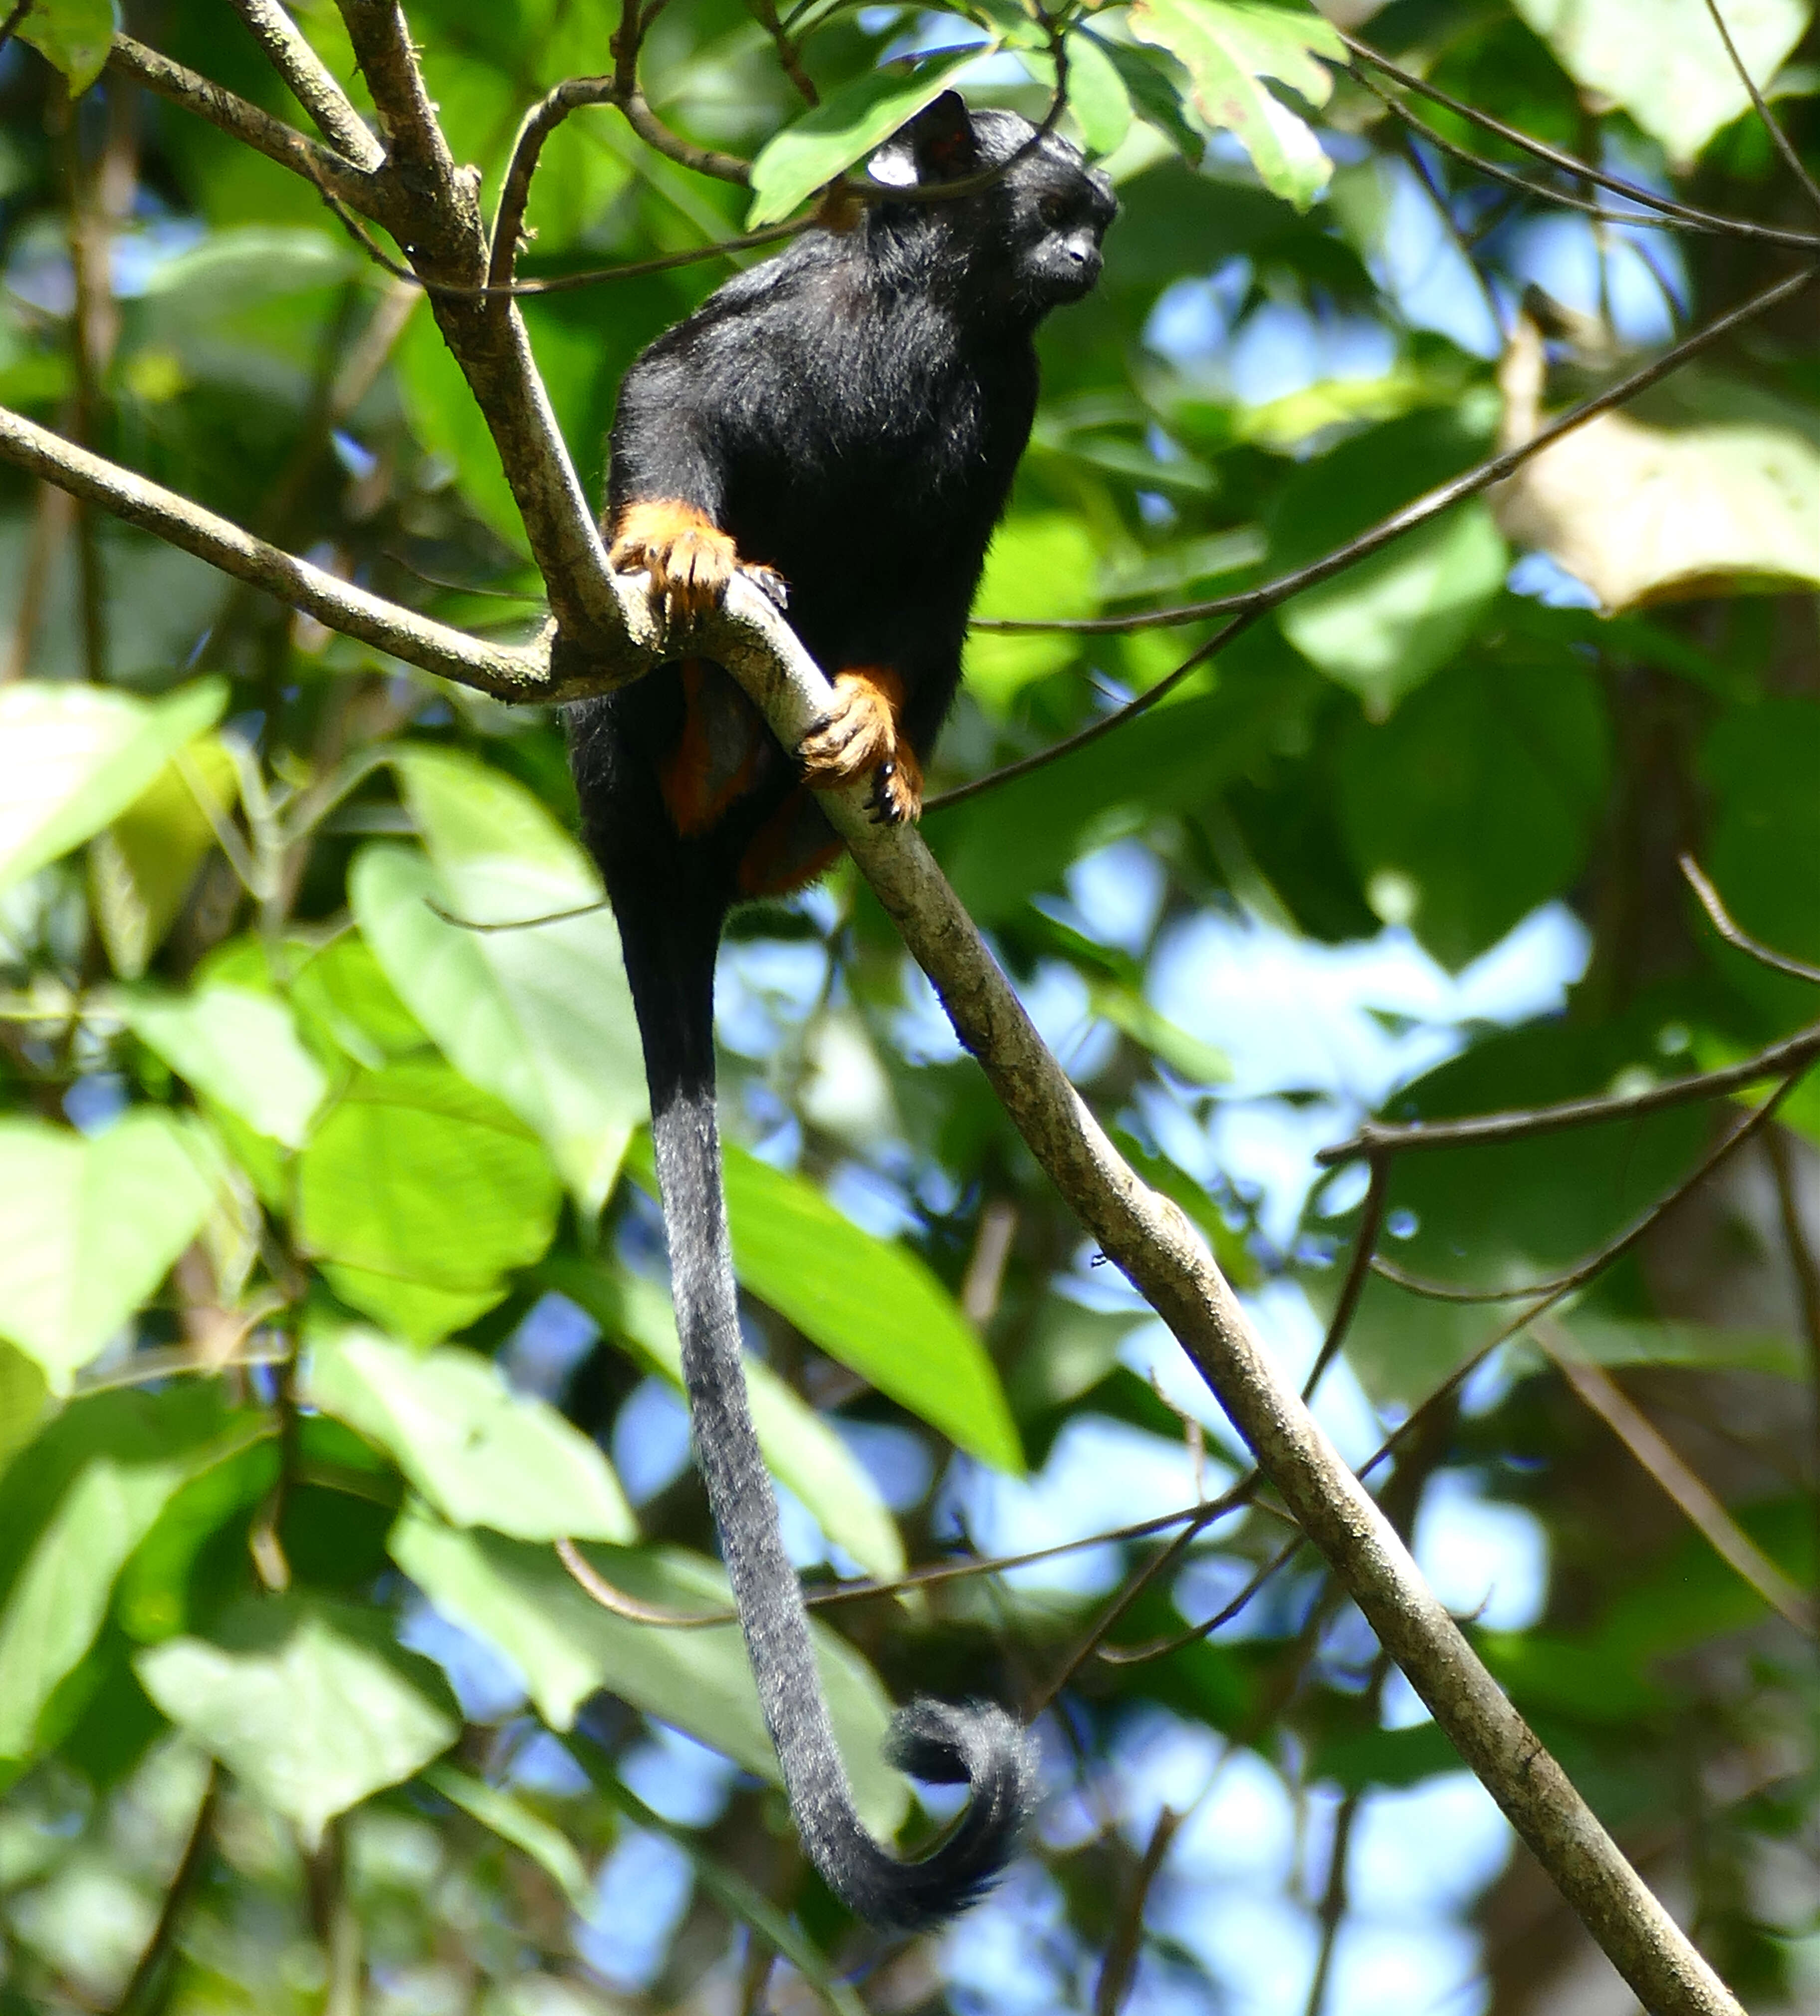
[(1032, 235)]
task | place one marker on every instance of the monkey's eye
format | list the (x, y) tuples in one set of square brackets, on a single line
[(1052, 209)]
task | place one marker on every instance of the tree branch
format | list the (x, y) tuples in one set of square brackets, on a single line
[(1151, 1241), (253, 127), (312, 83), (508, 672)]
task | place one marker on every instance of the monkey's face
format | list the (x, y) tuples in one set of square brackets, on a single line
[(1052, 211)]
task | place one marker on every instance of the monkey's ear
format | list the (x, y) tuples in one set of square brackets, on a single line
[(941, 140)]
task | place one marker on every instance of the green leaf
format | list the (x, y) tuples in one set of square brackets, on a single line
[(844, 127), (1477, 800), (542, 1017), (73, 36), (1126, 1009), (521, 1600), (1228, 46), (72, 758), (419, 1193), (1383, 626), (23, 1397), (81, 1504), (1097, 94), (801, 1449), (513, 1821), (1663, 60), (1039, 564), (141, 868), (482, 1455), (240, 1048), (340, 991), (444, 417), (872, 1305), (93, 1226), (310, 1709)]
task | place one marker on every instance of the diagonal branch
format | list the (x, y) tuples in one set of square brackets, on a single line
[(507, 672), (1165, 1258), (253, 127), (1772, 125), (312, 83)]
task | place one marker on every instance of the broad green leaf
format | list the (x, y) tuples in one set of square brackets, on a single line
[(521, 1600), (444, 417), (341, 991), (872, 1305), (309, 1708), (540, 1017), (238, 1046), (140, 869), (1478, 800), (1663, 60), (419, 1195), (801, 1449), (92, 1224), (512, 1821), (1228, 46), (1040, 564), (482, 1455), (74, 757), (1383, 626), (23, 1396), (844, 128), (1605, 1340), (1167, 1041), (1645, 513), (1097, 94), (80, 1505), (71, 35)]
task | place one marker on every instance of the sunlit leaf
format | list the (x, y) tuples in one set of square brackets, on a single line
[(512, 1821), (540, 1017), (310, 1709), (482, 1455), (240, 1048), (521, 1600), (23, 1394), (93, 1225), (72, 35), (72, 758), (1228, 46), (868, 1303), (844, 127), (141, 868), (1040, 564), (802, 1449), (1663, 60), (419, 1193)]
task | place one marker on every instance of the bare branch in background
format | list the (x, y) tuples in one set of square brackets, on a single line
[(311, 83)]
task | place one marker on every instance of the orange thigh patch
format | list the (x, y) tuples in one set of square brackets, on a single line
[(791, 847), (716, 757)]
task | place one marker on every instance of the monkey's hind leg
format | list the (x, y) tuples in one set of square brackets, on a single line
[(860, 733)]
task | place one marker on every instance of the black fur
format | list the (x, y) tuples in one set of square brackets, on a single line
[(851, 413)]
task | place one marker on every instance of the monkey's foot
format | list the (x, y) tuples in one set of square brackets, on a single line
[(858, 734), (688, 560)]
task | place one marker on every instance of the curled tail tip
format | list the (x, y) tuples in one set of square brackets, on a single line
[(978, 1745)]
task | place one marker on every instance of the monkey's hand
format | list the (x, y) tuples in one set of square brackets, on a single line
[(687, 557), (859, 734)]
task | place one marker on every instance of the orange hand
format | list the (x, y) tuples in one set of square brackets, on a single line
[(860, 734), (688, 557)]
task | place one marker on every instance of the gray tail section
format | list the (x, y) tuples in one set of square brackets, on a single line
[(976, 1743)]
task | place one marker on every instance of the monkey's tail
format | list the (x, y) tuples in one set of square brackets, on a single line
[(978, 1744)]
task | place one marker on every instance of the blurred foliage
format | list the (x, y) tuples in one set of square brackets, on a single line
[(331, 1290)]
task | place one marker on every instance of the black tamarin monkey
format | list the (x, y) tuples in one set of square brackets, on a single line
[(845, 420)]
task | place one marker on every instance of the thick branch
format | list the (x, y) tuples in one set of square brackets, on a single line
[(1150, 1240), (506, 672), (254, 127), (312, 83)]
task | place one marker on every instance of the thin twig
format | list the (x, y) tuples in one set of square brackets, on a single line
[(1637, 192), (1772, 125), (1804, 1263), (144, 1990), (1704, 1511), (1249, 606), (9, 26), (1160, 1648), (312, 84), (1729, 930), (1365, 1251), (1793, 1053), (1120, 1964), (536, 127), (1333, 1900)]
